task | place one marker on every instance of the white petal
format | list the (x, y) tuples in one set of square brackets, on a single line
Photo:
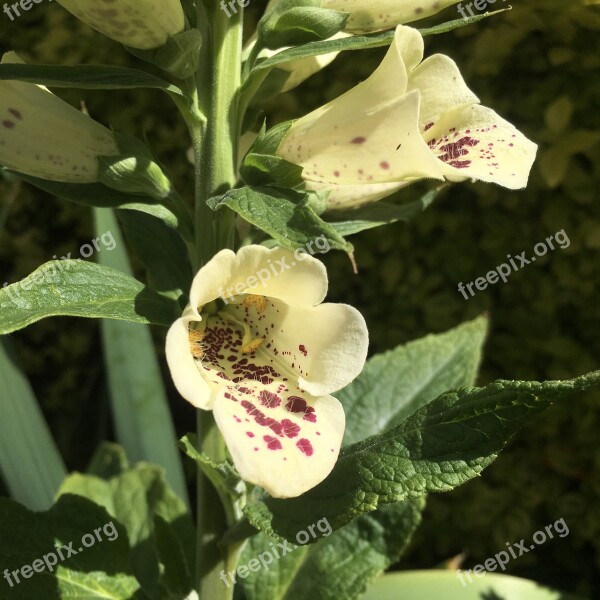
[(347, 146), (287, 443), (353, 195), (300, 70), (475, 142), (143, 24), (371, 134), (276, 273), (323, 347), (442, 88), (370, 15), (184, 370), (43, 136)]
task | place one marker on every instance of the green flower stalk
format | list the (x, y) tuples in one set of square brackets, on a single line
[(141, 24)]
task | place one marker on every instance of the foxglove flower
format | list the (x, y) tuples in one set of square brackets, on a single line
[(258, 348), (375, 15), (410, 120), (142, 24), (43, 136)]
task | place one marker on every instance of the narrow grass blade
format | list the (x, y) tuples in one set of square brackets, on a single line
[(139, 403), (29, 459)]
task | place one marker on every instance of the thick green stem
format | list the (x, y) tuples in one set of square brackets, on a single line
[(215, 152)]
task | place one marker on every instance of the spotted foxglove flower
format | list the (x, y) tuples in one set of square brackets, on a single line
[(258, 348), (142, 24), (412, 119), (374, 15), (43, 136)]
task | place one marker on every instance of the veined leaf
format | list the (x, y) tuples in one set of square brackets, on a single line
[(77, 288), (439, 447), (86, 77)]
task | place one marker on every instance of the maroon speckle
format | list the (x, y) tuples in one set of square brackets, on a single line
[(290, 429), (15, 113), (454, 150), (310, 415), (8, 124), (249, 434), (269, 399), (384, 165), (272, 443), (302, 349), (359, 140), (305, 446), (296, 404), (336, 173)]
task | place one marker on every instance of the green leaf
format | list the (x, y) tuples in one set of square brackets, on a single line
[(283, 214), (425, 585), (323, 570), (138, 399), (293, 22), (108, 460), (223, 476), (439, 447), (380, 213), (136, 498), (86, 77), (176, 578), (101, 196), (162, 251), (358, 42), (262, 166), (395, 384), (30, 462), (179, 56), (100, 571), (77, 288)]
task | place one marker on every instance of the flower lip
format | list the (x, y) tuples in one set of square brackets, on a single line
[(411, 119), (265, 362)]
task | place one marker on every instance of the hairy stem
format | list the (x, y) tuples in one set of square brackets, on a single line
[(215, 151)]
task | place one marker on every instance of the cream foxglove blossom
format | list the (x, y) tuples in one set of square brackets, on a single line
[(258, 348), (412, 119), (374, 15), (142, 24), (43, 136)]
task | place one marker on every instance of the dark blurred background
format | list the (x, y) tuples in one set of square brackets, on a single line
[(537, 65)]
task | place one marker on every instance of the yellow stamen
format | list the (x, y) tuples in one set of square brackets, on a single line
[(195, 337), (259, 302), (252, 346)]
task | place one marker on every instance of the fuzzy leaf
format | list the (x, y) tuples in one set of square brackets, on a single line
[(439, 447), (77, 288)]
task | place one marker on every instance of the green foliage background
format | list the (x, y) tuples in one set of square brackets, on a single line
[(537, 66)]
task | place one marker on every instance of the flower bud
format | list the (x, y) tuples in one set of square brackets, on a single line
[(43, 136), (373, 15), (142, 24)]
